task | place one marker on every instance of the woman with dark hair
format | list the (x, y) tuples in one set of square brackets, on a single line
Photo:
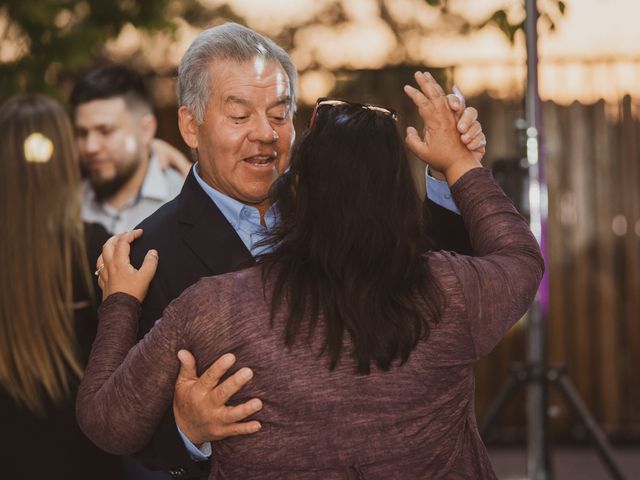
[(47, 310), (363, 346)]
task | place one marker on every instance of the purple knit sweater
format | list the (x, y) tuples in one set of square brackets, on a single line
[(414, 421)]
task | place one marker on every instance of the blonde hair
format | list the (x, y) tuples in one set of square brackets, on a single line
[(42, 246)]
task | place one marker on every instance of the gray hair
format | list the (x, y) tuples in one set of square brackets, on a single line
[(229, 41)]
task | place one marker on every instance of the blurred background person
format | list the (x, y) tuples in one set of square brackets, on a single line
[(47, 297), (115, 128)]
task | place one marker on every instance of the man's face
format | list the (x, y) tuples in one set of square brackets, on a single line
[(244, 140), (112, 142)]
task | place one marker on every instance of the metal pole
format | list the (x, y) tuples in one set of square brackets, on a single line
[(538, 464)]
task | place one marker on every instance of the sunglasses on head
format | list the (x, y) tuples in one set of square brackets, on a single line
[(332, 102)]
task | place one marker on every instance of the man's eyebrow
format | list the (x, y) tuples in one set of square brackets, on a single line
[(97, 126), (286, 99), (243, 101), (234, 99)]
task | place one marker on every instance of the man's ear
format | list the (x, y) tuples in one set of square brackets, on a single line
[(149, 125), (188, 127)]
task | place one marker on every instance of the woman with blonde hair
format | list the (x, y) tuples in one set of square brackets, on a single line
[(47, 308)]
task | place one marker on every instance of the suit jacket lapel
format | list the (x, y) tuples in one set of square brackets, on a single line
[(208, 234)]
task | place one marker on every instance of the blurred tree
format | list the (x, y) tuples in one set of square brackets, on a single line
[(45, 40), (509, 19)]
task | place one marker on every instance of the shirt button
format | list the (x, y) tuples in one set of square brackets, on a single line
[(447, 196)]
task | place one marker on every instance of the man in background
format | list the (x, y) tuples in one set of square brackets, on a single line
[(115, 129)]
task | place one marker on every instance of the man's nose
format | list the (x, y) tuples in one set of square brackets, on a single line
[(90, 143), (263, 131)]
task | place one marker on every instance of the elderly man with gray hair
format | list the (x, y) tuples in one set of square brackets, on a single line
[(237, 101)]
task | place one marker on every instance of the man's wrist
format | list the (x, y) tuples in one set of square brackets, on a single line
[(438, 175), (199, 452), (439, 193)]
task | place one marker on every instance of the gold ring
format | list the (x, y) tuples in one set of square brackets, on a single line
[(97, 272)]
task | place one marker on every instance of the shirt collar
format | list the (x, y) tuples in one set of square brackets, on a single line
[(229, 207), (233, 210), (155, 184)]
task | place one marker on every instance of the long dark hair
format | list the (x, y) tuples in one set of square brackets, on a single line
[(347, 246)]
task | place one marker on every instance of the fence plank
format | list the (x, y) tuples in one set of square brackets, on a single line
[(631, 286), (607, 332)]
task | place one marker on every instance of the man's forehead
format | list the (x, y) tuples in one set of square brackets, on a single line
[(260, 72), (103, 107)]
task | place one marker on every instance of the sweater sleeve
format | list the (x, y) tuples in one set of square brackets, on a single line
[(127, 388), (499, 283)]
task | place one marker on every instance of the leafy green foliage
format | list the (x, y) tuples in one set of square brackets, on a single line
[(62, 36), (501, 20)]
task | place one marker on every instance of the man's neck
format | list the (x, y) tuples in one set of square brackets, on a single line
[(208, 180), (131, 188)]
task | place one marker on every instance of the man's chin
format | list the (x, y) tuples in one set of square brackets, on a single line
[(255, 200), (105, 188)]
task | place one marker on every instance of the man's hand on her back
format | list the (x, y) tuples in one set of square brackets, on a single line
[(199, 403)]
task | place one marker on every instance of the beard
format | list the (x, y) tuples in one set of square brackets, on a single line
[(105, 188)]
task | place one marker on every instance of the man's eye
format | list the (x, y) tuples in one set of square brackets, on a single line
[(239, 118)]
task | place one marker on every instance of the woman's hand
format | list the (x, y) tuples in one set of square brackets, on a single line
[(469, 127), (115, 272), (440, 146)]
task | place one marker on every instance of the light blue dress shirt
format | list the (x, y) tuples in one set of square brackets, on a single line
[(438, 192), (245, 220)]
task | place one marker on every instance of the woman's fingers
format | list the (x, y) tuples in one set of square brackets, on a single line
[(149, 265), (478, 144), (118, 275), (122, 247), (107, 250), (474, 130), (468, 118)]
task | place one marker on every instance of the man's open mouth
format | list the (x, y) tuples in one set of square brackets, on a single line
[(260, 159)]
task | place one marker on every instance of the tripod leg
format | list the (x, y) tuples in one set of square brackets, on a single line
[(600, 440), (516, 376)]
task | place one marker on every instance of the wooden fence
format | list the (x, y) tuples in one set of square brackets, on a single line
[(591, 157)]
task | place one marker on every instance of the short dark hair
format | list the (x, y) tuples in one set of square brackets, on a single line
[(109, 82), (347, 248)]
